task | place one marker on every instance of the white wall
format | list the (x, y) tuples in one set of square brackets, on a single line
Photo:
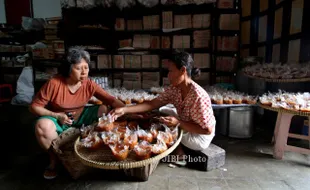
[(46, 8), (2, 12)]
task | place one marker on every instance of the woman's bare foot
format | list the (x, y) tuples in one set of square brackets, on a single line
[(51, 171)]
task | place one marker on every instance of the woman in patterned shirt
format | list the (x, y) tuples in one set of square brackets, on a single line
[(195, 114)]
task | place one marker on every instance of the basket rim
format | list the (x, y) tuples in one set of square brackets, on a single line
[(278, 80), (116, 165), (281, 110)]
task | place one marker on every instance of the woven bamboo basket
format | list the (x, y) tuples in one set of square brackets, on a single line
[(282, 110), (102, 158), (278, 80), (63, 147)]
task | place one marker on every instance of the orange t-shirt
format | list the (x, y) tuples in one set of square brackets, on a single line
[(56, 95)]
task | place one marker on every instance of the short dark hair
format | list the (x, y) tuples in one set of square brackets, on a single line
[(74, 56), (184, 59)]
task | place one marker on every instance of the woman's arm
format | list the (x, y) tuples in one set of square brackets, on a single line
[(117, 104), (144, 107), (42, 111), (188, 126), (195, 128)]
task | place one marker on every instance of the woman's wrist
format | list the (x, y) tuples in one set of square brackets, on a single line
[(56, 115)]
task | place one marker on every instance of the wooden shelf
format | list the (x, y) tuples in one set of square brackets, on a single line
[(94, 71), (111, 42), (12, 54)]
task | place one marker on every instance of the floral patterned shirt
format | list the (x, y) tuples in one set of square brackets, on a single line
[(196, 106)]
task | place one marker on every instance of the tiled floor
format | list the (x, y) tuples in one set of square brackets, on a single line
[(249, 165)]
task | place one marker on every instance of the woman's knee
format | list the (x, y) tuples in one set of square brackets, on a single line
[(45, 127)]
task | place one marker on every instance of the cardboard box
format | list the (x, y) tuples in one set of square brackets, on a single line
[(245, 53), (225, 4), (246, 8), (117, 83), (182, 21), (131, 85), (151, 76), (125, 43), (119, 61), (43, 53), (18, 48), (132, 61), (132, 76), (201, 38), (263, 5), (246, 31), (5, 48), (202, 60), (181, 41), (147, 84), (293, 51), (203, 79), (134, 24), (228, 43), (151, 22), (262, 30), (155, 42), (142, 41), (296, 16), (150, 61), (225, 64), (229, 22), (120, 24), (167, 17), (165, 42), (104, 61), (278, 23), (201, 20)]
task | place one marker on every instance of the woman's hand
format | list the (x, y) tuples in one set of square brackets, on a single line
[(64, 119), (117, 112), (170, 121)]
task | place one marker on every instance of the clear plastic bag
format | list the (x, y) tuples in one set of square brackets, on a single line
[(85, 130), (143, 150), (131, 139), (92, 141), (173, 131), (165, 137), (85, 4), (119, 151), (121, 4), (67, 3), (104, 3), (148, 3), (110, 138), (133, 125), (144, 135), (154, 130), (159, 147)]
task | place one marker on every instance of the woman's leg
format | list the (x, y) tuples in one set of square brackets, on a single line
[(45, 131)]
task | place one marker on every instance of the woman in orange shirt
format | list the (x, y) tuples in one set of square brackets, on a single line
[(60, 103)]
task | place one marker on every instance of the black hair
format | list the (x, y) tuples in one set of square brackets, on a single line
[(184, 59), (74, 56)]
